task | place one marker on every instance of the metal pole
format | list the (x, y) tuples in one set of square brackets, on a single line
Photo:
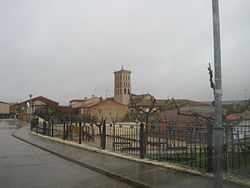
[(64, 130), (30, 107), (80, 132), (218, 128), (52, 129)]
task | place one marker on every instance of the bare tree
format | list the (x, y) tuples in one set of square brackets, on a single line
[(149, 111), (200, 119), (236, 109)]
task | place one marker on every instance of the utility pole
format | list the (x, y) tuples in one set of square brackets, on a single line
[(30, 107), (218, 127)]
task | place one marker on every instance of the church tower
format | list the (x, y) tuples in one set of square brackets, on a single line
[(122, 86)]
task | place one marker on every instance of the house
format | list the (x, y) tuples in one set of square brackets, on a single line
[(97, 108), (67, 113), (25, 109), (4, 110), (241, 127), (78, 103)]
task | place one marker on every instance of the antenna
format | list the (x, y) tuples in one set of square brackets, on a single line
[(246, 93)]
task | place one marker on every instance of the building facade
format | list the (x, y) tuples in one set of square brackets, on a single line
[(98, 108), (122, 86), (4, 110), (24, 110)]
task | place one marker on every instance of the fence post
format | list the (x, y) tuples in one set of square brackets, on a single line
[(37, 127), (52, 128), (64, 130), (142, 141), (103, 136), (80, 132), (210, 148), (31, 124), (84, 127)]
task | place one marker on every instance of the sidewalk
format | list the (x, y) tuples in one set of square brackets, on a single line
[(133, 173)]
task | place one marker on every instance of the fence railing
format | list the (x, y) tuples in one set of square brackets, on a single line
[(184, 145)]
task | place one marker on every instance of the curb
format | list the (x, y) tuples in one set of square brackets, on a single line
[(124, 156), (112, 175)]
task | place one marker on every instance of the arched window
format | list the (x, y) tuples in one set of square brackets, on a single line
[(124, 91)]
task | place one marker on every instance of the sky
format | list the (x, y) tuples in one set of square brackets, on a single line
[(69, 49)]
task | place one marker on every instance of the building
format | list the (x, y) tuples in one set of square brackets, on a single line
[(78, 103), (24, 109), (96, 108), (122, 86), (4, 110), (241, 122)]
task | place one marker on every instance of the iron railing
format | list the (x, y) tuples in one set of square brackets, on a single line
[(190, 146)]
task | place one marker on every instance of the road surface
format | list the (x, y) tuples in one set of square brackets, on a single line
[(23, 165)]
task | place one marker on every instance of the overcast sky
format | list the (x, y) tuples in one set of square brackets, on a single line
[(65, 49)]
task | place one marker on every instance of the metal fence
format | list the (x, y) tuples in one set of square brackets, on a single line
[(237, 149), (190, 146)]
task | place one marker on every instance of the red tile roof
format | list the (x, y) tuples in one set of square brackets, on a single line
[(101, 101), (77, 100), (233, 117), (43, 99)]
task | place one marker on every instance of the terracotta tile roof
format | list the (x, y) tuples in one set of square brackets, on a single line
[(172, 117), (77, 100), (99, 102), (43, 99), (144, 101), (246, 115), (233, 117), (92, 104)]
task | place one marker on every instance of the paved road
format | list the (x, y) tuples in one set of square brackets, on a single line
[(22, 165)]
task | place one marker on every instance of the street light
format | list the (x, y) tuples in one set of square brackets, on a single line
[(30, 106)]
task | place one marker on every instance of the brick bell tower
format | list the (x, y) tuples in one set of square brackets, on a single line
[(122, 86)]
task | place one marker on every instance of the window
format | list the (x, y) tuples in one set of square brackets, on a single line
[(124, 91)]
